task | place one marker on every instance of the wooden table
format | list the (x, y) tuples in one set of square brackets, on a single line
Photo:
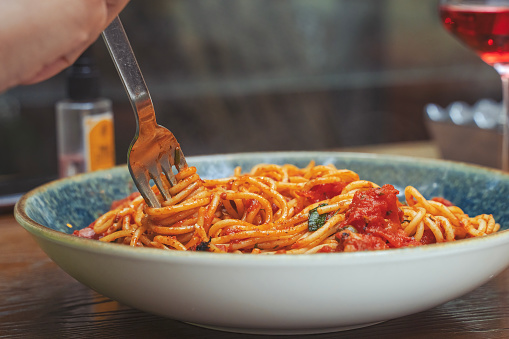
[(39, 300)]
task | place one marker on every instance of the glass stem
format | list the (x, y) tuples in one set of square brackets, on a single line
[(505, 133)]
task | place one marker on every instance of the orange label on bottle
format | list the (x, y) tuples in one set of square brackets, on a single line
[(99, 142)]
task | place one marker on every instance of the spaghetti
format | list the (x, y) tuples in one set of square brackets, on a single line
[(284, 209)]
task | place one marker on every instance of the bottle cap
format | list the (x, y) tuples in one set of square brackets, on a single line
[(83, 78)]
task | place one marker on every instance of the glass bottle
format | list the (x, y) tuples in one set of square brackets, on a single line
[(85, 134)]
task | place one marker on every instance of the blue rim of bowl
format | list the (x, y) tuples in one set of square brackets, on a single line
[(352, 258)]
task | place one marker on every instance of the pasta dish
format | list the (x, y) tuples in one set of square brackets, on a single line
[(285, 209)]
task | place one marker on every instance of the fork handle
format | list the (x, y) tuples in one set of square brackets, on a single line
[(127, 67)]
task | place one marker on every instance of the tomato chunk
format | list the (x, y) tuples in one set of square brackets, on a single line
[(375, 213)]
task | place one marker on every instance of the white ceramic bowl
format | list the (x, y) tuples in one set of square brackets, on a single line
[(280, 294)]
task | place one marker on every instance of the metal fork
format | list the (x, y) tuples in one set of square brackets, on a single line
[(154, 149)]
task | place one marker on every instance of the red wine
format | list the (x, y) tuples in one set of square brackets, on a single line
[(482, 28)]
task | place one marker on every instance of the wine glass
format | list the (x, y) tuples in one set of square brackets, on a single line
[(483, 25)]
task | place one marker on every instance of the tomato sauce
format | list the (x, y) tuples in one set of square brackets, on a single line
[(352, 242), (231, 230), (325, 249), (323, 191), (251, 205), (428, 237), (375, 212)]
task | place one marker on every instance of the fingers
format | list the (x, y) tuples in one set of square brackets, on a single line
[(97, 25), (54, 67), (41, 38)]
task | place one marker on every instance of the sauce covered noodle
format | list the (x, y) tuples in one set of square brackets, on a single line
[(284, 209)]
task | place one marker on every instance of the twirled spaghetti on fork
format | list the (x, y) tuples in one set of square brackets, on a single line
[(284, 209)]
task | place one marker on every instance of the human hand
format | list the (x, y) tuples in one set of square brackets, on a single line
[(41, 38)]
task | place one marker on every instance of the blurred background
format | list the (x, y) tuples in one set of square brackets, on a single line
[(264, 75)]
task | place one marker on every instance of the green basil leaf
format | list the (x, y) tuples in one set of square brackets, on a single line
[(315, 220)]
